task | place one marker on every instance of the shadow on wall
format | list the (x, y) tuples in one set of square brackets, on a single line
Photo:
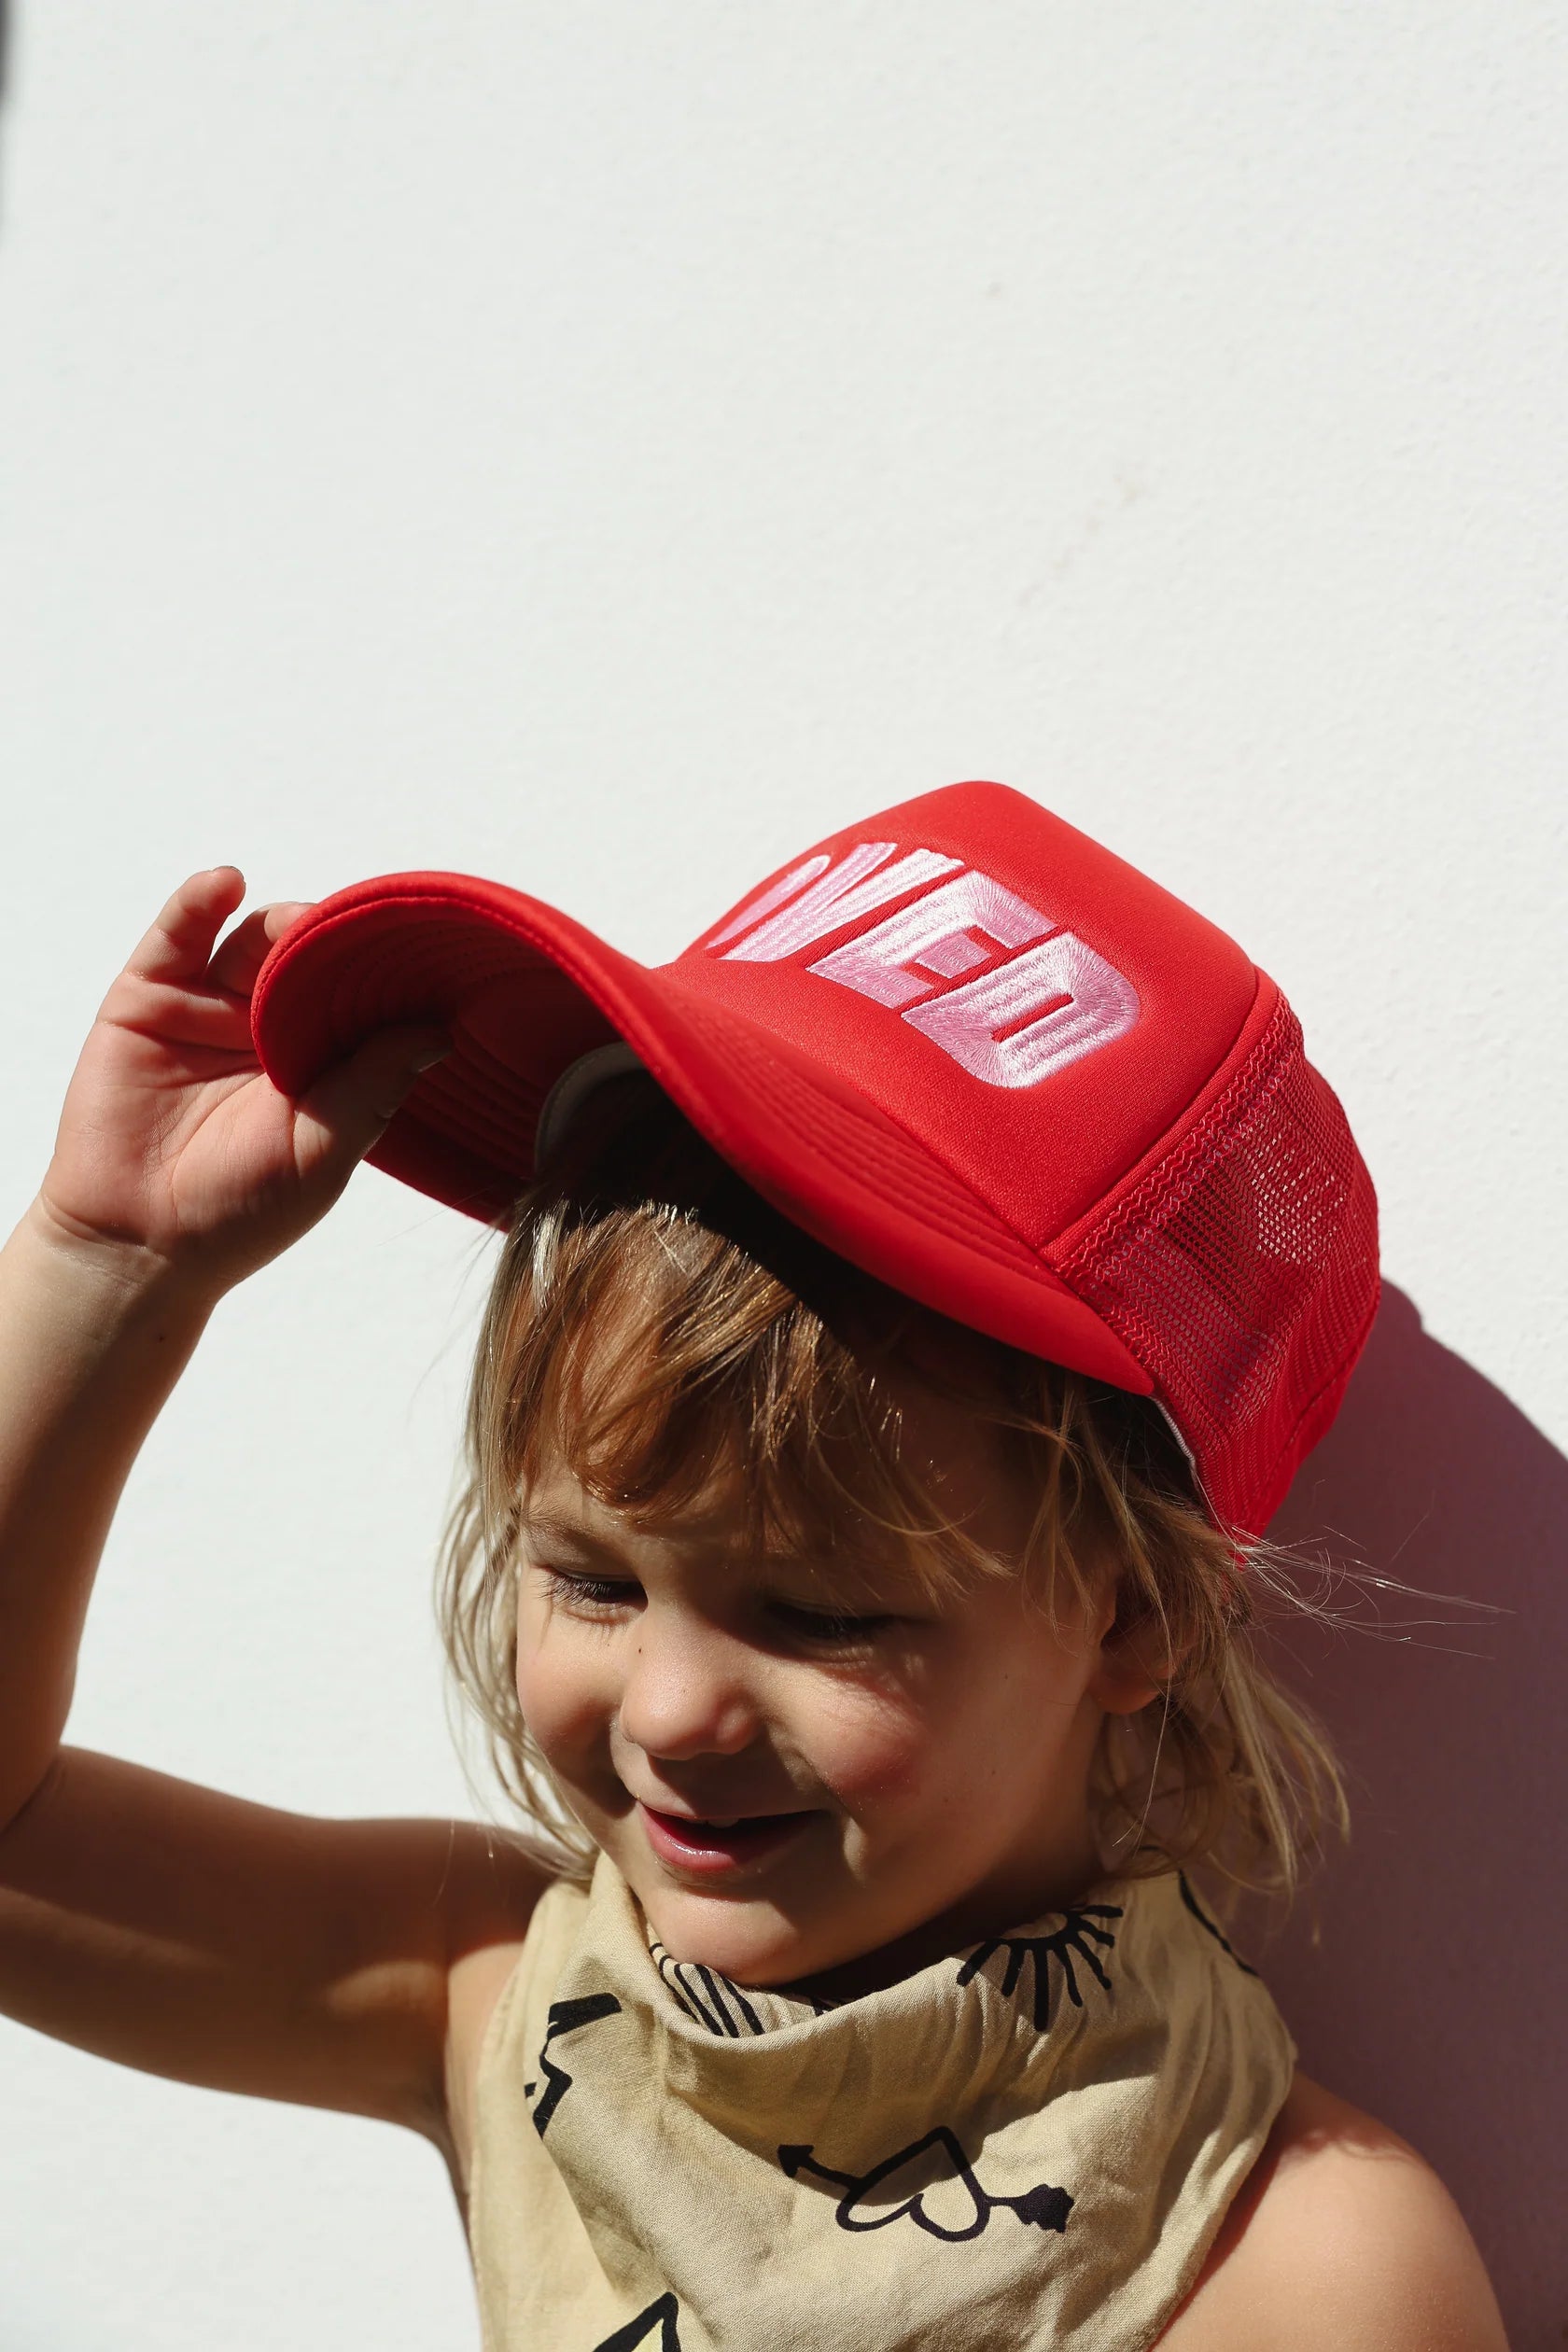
[(1434, 1997)]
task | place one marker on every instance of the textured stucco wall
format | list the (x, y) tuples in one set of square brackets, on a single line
[(606, 446)]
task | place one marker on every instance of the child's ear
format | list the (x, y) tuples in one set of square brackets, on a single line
[(1134, 1662)]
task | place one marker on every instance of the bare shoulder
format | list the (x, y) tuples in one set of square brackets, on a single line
[(487, 1926), (1343, 2240)]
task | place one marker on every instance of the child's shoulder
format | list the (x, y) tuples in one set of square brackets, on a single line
[(1343, 2240), (523, 1906)]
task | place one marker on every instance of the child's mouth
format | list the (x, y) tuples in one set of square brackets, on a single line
[(710, 1847)]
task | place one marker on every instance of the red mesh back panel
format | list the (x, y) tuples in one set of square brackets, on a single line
[(1242, 1272)]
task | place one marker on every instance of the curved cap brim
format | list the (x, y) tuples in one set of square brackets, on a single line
[(523, 990)]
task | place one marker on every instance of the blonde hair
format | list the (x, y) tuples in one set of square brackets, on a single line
[(653, 1323)]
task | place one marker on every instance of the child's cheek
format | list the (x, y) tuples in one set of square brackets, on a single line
[(872, 1751), (567, 1701)]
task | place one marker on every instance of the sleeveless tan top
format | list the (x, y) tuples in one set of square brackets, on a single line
[(1030, 2143)]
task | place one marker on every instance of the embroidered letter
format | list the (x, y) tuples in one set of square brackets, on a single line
[(935, 931), (1030, 1016), (765, 901), (862, 879), (1013, 1024)]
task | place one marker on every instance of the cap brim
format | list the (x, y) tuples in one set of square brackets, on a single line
[(523, 990)]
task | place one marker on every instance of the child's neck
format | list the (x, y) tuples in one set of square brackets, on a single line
[(988, 1910)]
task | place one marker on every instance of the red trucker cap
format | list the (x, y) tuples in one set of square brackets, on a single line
[(962, 1046)]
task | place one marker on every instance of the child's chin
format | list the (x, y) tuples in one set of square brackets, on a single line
[(751, 1942)]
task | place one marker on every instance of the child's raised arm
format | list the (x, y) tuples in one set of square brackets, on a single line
[(165, 1926)]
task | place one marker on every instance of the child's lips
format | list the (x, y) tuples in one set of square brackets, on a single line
[(710, 1848)]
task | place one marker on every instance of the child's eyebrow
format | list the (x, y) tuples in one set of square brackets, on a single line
[(545, 1528), (554, 1531), (551, 1519)]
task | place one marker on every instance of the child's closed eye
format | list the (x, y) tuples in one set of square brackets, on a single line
[(590, 1595), (830, 1626), (821, 1625)]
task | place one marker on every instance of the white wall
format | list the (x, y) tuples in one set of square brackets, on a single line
[(606, 446)]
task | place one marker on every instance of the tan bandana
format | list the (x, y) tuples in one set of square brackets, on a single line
[(1030, 2144)]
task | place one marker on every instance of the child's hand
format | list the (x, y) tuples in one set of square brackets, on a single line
[(174, 1151)]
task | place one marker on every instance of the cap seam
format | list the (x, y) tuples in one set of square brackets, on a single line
[(1063, 1246), (1030, 1250)]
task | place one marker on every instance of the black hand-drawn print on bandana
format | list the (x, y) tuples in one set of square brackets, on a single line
[(661, 2315), (707, 1998), (713, 2000), (1191, 1902), (564, 2017), (1046, 2207), (1078, 1933)]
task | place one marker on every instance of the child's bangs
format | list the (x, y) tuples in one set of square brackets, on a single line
[(657, 1362), (665, 1337)]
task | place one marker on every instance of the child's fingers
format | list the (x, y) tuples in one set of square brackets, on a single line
[(242, 955), (181, 939), (353, 1102)]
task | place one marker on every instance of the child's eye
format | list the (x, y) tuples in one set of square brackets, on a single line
[(586, 1592), (592, 1596), (822, 1625)]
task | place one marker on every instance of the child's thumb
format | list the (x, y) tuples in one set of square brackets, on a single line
[(355, 1101)]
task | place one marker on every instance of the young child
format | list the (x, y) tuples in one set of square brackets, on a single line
[(914, 1302)]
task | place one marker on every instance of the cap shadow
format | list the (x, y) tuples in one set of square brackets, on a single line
[(1431, 1995)]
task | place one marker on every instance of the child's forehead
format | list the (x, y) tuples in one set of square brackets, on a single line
[(558, 1510), (954, 1457)]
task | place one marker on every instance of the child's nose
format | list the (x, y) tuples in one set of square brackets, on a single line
[(688, 1691)]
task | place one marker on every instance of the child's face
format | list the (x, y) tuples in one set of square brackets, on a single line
[(934, 1761)]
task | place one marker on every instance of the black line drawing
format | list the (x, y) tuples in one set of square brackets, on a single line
[(1191, 1902), (564, 2017), (704, 2000), (713, 2000), (1078, 1933), (661, 2315), (1046, 2207)]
